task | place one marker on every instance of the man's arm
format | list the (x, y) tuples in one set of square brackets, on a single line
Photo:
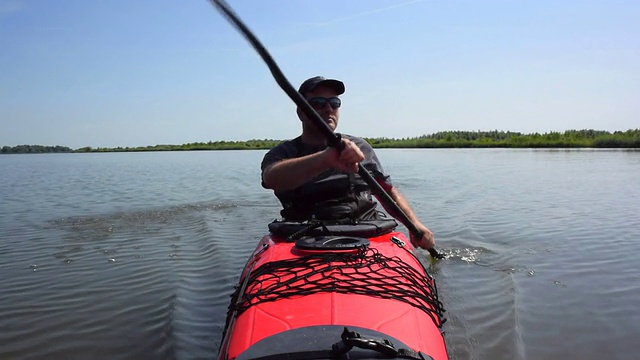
[(288, 174), (427, 241)]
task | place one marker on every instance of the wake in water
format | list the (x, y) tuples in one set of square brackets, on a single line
[(480, 289), (141, 284)]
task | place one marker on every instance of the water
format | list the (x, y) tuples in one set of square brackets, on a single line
[(134, 255)]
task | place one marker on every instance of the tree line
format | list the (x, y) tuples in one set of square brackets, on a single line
[(211, 145), (443, 139), (508, 139), (34, 149)]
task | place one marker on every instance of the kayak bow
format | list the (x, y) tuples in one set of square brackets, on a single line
[(324, 296)]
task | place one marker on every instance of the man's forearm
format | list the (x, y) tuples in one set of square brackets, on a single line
[(423, 237), (403, 204), (290, 173)]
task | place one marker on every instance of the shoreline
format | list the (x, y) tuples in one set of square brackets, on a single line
[(570, 139)]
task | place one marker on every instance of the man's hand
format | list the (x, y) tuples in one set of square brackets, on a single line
[(346, 160), (427, 241)]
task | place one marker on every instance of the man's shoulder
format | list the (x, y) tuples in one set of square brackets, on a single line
[(286, 149), (290, 144)]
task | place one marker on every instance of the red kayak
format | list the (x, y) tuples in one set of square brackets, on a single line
[(327, 292)]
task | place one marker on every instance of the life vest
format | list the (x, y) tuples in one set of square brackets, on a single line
[(333, 197)]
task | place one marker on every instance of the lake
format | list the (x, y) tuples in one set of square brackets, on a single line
[(135, 255)]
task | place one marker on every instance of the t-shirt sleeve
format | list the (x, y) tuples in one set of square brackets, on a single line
[(276, 154)]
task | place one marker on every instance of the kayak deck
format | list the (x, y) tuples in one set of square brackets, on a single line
[(290, 291)]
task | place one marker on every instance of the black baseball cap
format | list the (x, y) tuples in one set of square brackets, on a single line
[(314, 82)]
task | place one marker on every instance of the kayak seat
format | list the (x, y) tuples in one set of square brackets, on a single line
[(293, 230)]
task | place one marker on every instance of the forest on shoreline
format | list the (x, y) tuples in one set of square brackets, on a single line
[(443, 139)]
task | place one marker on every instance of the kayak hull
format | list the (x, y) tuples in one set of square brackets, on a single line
[(370, 295)]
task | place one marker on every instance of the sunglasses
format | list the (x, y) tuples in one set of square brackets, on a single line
[(320, 102)]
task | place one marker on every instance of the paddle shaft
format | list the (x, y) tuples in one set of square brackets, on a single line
[(333, 139)]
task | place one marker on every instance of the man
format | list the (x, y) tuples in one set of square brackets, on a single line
[(314, 181)]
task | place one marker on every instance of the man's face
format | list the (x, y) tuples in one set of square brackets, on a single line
[(324, 108)]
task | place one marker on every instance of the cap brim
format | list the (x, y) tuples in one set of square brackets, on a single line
[(336, 85)]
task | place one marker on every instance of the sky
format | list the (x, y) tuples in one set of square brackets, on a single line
[(145, 72)]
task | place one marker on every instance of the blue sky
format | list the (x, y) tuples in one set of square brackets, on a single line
[(145, 72)]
